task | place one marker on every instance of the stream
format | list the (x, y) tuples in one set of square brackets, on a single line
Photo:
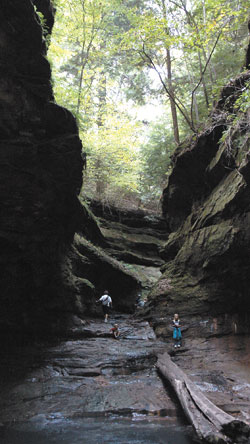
[(90, 388), (96, 431)]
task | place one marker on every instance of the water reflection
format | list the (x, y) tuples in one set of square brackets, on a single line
[(137, 430)]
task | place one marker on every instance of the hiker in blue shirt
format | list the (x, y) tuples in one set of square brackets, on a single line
[(177, 331)]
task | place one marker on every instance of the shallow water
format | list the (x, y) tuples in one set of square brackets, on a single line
[(116, 430)]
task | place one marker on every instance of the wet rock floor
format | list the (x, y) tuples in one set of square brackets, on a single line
[(93, 388), (111, 430), (220, 366)]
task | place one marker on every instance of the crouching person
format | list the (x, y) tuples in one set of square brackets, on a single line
[(115, 331)]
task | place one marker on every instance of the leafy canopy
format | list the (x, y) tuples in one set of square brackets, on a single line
[(112, 57)]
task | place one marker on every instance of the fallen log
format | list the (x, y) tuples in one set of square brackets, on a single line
[(211, 424)]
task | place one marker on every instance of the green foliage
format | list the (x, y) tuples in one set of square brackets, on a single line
[(113, 163), (110, 56), (156, 160), (242, 104), (235, 139), (45, 29)]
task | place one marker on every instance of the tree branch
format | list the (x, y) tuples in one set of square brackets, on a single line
[(204, 69), (152, 64)]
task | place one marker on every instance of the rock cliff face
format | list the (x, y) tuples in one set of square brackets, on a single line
[(48, 271), (207, 207), (88, 270), (41, 170)]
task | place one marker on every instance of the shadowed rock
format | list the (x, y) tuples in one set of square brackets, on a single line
[(207, 207), (41, 173)]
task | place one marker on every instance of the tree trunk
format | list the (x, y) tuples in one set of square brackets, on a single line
[(171, 98), (170, 84), (192, 82), (85, 50), (192, 22), (211, 424), (80, 80), (210, 65), (82, 62), (203, 81), (100, 185), (102, 99)]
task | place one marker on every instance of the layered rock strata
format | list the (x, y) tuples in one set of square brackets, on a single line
[(88, 270), (46, 276), (207, 208)]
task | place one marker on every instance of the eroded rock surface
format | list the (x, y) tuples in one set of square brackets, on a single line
[(206, 275), (134, 238), (41, 173), (207, 208), (220, 368), (217, 360), (91, 269), (90, 375), (48, 272)]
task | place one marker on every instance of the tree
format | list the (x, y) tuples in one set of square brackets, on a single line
[(111, 56), (112, 160), (155, 155)]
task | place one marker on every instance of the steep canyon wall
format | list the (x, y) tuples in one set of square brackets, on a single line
[(41, 173), (207, 208), (49, 270)]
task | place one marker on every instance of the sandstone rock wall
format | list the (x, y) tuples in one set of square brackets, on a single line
[(46, 275), (41, 171), (92, 270), (207, 207)]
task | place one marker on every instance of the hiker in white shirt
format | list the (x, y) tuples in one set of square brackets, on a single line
[(106, 304)]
